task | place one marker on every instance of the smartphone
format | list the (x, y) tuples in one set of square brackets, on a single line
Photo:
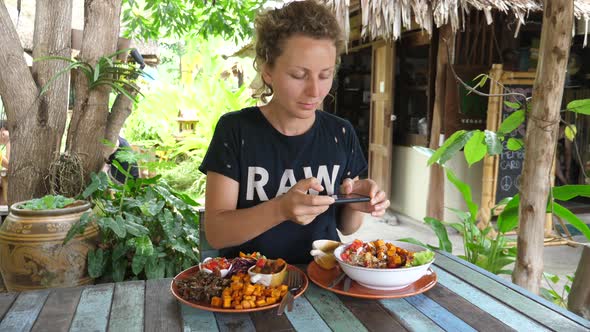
[(350, 198)]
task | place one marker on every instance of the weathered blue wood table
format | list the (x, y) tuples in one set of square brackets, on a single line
[(466, 298)]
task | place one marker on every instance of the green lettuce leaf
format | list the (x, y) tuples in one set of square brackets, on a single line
[(422, 257)]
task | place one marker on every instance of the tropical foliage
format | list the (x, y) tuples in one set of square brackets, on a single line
[(201, 91), (147, 230), (488, 248), (151, 19)]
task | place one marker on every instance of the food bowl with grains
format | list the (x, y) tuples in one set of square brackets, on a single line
[(384, 264)]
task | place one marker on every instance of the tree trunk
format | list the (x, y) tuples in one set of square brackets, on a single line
[(36, 123), (579, 298), (542, 127), (88, 127), (436, 187)]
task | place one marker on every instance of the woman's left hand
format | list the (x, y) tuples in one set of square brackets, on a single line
[(379, 202)]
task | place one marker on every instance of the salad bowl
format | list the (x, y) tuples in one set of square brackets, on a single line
[(386, 278)]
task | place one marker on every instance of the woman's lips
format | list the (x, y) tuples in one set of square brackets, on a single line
[(308, 106)]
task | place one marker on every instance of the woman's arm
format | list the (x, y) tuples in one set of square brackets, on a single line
[(350, 220), (227, 226), (5, 157), (353, 213)]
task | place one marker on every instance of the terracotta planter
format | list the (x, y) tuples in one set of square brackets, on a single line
[(32, 255)]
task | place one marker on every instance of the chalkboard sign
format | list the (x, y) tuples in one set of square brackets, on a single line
[(510, 163)]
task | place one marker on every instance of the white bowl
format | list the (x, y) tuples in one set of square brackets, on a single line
[(323, 253), (268, 279), (384, 279), (224, 272)]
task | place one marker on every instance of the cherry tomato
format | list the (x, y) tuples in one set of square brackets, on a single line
[(260, 262), (216, 263), (344, 256)]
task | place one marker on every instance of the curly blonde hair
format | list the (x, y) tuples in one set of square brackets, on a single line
[(305, 18)]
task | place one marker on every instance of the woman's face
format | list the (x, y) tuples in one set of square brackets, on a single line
[(4, 136), (302, 75)]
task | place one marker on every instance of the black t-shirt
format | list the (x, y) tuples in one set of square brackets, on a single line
[(266, 163)]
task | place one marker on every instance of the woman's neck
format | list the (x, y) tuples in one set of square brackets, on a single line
[(285, 123)]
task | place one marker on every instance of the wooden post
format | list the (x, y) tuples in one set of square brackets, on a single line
[(579, 298), (541, 136), (490, 169), (436, 187)]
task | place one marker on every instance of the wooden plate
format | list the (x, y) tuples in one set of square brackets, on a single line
[(206, 306), (323, 278)]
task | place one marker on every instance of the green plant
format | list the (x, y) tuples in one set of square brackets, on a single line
[(201, 90), (154, 18), (119, 76), (551, 294), (47, 202), (147, 229), (488, 248)]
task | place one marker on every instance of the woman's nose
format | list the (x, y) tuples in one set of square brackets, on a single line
[(313, 87)]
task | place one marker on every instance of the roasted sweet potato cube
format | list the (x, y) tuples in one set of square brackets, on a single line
[(283, 287), (252, 303), (379, 243), (235, 278), (236, 286), (246, 304), (216, 302), (248, 289), (261, 303), (226, 292), (271, 300), (239, 307), (227, 302), (276, 293)]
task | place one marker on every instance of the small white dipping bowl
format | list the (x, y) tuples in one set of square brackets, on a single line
[(384, 279), (224, 272)]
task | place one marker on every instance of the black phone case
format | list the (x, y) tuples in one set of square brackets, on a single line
[(350, 199)]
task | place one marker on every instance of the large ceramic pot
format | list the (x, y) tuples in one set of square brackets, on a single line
[(32, 255)]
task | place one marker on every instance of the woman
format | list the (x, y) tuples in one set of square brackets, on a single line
[(4, 140), (271, 170)]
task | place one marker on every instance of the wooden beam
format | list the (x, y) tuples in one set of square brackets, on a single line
[(436, 187)]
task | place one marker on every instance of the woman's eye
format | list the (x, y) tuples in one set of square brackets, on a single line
[(326, 76), (298, 76)]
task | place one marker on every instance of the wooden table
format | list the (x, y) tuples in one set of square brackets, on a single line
[(465, 299)]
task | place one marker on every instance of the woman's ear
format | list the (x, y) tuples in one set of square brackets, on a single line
[(266, 76)]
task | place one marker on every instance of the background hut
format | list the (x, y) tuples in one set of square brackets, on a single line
[(394, 84)]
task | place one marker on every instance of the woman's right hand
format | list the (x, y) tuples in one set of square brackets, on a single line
[(301, 207)]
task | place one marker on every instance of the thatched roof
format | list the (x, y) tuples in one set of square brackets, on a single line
[(386, 18)]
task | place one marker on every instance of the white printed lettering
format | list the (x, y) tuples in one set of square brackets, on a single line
[(258, 185), (288, 176), (323, 177)]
